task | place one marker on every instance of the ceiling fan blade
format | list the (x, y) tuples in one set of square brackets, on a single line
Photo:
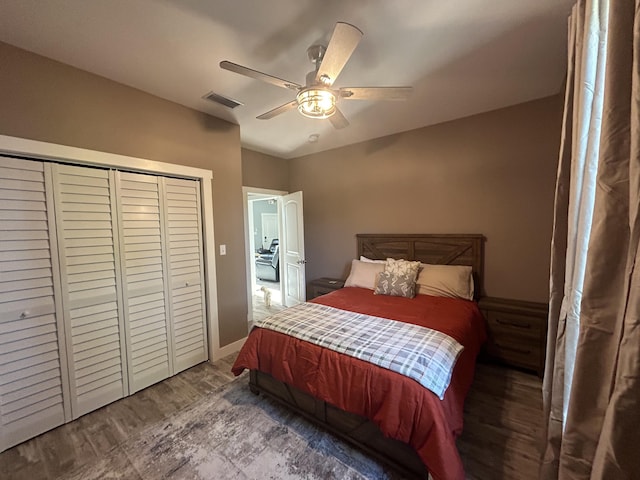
[(338, 120), (278, 110), (375, 93), (343, 42), (248, 72)]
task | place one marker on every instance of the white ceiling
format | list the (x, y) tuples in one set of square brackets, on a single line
[(461, 56)]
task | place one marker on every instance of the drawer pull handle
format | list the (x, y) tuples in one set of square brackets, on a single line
[(514, 349), (513, 324)]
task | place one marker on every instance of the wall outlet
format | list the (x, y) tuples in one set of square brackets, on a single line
[(223, 249)]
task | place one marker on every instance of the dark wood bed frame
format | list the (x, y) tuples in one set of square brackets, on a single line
[(428, 248)]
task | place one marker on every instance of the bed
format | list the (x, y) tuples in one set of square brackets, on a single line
[(383, 412)]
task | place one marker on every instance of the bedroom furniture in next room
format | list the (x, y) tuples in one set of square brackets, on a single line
[(343, 400), (517, 332), (324, 285)]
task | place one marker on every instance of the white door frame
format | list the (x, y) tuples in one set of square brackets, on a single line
[(249, 243), (80, 156)]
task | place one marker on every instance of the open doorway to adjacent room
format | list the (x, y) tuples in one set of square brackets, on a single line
[(263, 212)]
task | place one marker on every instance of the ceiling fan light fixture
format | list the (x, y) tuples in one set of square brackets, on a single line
[(316, 102), (317, 98)]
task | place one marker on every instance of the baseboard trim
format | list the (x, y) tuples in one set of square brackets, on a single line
[(229, 349)]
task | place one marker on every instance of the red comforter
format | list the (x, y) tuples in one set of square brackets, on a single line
[(400, 406)]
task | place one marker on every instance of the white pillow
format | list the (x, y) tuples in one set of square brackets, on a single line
[(454, 281), (363, 274), (369, 260)]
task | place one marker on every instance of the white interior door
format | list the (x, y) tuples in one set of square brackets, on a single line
[(293, 249), (144, 279), (90, 274), (33, 378), (269, 228), (186, 273)]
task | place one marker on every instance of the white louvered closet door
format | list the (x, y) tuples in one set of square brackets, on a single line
[(32, 361), (90, 275), (186, 273), (144, 286)]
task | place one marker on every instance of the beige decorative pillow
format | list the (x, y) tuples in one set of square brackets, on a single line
[(455, 281), (402, 267), (403, 285), (363, 274)]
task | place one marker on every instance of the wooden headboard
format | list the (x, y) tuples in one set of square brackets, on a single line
[(438, 249)]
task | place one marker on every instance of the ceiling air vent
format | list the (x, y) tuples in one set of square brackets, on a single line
[(227, 102)]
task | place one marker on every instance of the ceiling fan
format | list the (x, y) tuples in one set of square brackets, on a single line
[(317, 98)]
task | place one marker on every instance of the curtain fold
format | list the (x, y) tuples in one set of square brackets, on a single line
[(592, 380)]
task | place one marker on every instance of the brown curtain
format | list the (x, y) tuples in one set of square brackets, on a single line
[(599, 438)]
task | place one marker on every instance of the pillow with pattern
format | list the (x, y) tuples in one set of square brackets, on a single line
[(402, 267), (395, 285)]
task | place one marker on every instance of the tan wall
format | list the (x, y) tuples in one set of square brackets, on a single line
[(45, 100), (492, 174), (264, 171)]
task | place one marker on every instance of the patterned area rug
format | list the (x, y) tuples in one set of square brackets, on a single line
[(234, 434)]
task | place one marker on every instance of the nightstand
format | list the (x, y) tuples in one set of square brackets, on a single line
[(517, 332), (323, 285)]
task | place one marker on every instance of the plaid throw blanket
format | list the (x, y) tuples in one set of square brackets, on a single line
[(425, 355)]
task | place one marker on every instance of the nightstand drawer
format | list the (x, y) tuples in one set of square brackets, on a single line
[(515, 350), (514, 324)]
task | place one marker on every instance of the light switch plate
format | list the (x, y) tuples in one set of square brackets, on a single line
[(223, 249)]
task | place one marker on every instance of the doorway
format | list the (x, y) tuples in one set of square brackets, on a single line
[(263, 222), (274, 245)]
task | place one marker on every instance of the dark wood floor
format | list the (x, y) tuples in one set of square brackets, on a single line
[(502, 424)]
